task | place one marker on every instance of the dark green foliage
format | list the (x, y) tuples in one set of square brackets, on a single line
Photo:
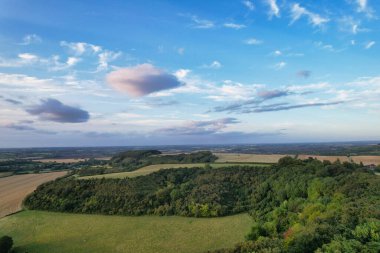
[(135, 159), (187, 192), (298, 206), (6, 243)]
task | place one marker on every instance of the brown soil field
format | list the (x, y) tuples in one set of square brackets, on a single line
[(14, 189), (246, 158), (255, 158), (69, 160)]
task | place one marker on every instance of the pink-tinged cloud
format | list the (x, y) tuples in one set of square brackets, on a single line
[(142, 80)]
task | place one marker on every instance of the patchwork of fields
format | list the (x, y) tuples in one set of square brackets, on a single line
[(14, 189), (46, 232)]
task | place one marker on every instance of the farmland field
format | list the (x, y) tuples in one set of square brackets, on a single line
[(14, 189), (46, 232), (257, 158), (156, 167)]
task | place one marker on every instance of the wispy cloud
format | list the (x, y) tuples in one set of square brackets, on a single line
[(80, 48), (234, 26), (213, 65), (204, 127), (304, 73), (279, 65), (199, 23), (31, 39), (248, 4), (253, 41), (369, 44), (274, 10), (297, 11), (105, 57)]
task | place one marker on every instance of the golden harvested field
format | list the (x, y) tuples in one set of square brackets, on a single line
[(68, 160), (14, 189), (246, 158), (255, 158), (366, 160)]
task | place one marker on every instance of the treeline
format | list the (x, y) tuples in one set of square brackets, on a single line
[(27, 166), (297, 206), (135, 159)]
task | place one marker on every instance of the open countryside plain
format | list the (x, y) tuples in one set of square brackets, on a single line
[(46, 232), (14, 189)]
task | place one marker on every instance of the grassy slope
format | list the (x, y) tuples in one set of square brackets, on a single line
[(153, 168), (40, 232)]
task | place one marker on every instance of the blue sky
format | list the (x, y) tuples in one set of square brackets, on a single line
[(85, 73)]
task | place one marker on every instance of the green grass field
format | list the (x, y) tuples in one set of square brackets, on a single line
[(47, 232), (153, 168)]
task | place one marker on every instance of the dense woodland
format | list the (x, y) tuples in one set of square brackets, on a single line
[(297, 206), (134, 159)]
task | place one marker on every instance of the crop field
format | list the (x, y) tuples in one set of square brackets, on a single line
[(153, 168), (255, 158), (366, 160), (246, 158), (14, 189), (46, 232)]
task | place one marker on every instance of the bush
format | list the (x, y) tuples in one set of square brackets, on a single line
[(6, 243)]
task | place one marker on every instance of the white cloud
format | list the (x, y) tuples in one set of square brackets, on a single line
[(28, 57), (349, 24), (253, 41), (105, 58), (297, 12), (182, 73), (181, 51), (213, 65), (201, 23), (369, 44), (234, 26), (31, 39), (249, 5), (362, 5), (276, 53), (80, 48), (279, 65), (274, 10)]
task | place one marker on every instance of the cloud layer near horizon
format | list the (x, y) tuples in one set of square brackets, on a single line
[(142, 80)]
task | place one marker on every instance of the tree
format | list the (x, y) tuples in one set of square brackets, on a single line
[(6, 243)]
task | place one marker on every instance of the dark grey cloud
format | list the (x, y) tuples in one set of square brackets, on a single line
[(269, 94), (20, 127), (304, 73), (53, 110), (24, 125), (285, 106), (162, 102), (199, 127), (262, 96), (13, 101), (142, 80)]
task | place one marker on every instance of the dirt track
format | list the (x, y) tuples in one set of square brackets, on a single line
[(14, 189)]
